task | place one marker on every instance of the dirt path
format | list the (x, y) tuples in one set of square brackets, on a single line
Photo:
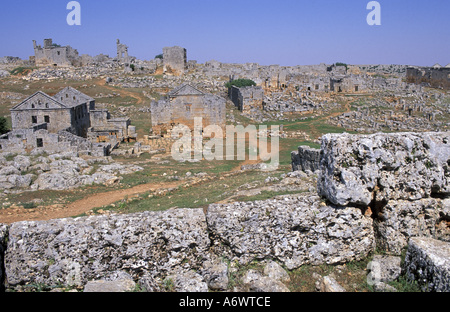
[(123, 92), (11, 215)]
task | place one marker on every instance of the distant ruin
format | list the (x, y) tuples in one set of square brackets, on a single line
[(182, 105), (122, 51), (436, 76), (55, 55), (175, 60), (247, 99)]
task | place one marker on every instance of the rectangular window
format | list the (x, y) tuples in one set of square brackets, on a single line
[(34, 119), (39, 143), (47, 119)]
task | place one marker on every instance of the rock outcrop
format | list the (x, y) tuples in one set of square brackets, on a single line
[(403, 179), (362, 170), (58, 172), (73, 252), (294, 230)]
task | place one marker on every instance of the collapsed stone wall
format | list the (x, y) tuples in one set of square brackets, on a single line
[(152, 246), (401, 178)]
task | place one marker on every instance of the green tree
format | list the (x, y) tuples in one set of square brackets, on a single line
[(240, 83), (159, 56)]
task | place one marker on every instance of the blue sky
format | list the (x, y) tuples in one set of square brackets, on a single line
[(284, 32)]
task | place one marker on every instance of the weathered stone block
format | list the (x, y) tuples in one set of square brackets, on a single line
[(306, 159), (294, 230), (363, 169), (427, 262), (75, 251), (400, 220)]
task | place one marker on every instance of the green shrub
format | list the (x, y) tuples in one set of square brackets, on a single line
[(240, 83)]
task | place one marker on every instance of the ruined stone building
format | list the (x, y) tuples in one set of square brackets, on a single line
[(122, 51), (175, 60), (105, 129), (68, 110), (67, 121), (436, 76), (247, 99), (55, 55), (182, 105)]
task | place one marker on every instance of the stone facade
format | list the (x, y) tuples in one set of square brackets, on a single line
[(67, 110), (247, 99), (175, 60), (46, 123), (182, 105), (437, 77), (55, 55)]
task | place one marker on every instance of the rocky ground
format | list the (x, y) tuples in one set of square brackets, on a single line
[(57, 172)]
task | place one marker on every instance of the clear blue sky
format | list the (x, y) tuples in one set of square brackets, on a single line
[(285, 32)]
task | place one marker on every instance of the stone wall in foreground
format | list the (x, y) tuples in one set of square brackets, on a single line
[(403, 178), (376, 191), (151, 246)]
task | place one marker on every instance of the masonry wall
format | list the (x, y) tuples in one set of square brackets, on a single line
[(60, 119), (183, 110), (247, 99), (175, 60), (436, 77), (40, 140)]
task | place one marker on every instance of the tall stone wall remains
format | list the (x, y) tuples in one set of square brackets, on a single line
[(434, 77), (183, 110), (55, 55), (175, 60)]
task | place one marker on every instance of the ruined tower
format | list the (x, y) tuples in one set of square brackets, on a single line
[(175, 60), (122, 51)]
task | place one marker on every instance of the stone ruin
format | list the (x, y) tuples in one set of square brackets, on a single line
[(247, 99), (67, 121), (55, 55), (436, 76), (122, 52), (174, 60), (383, 191), (182, 105)]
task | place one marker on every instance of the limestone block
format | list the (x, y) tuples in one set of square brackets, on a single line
[(427, 262), (360, 169)]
